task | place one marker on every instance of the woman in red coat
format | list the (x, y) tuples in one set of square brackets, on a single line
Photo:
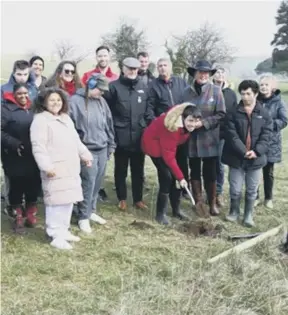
[(160, 141)]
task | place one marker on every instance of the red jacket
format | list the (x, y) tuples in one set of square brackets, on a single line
[(111, 76), (158, 141)]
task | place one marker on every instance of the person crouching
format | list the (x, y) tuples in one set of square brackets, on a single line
[(58, 150), (17, 158), (160, 141)]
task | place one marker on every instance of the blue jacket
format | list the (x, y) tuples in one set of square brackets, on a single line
[(276, 108), (8, 87)]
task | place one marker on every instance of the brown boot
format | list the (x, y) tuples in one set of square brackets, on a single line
[(122, 205), (211, 192), (201, 208), (140, 205), (31, 211), (220, 201)]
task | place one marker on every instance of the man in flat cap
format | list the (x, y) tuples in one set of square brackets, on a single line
[(127, 100)]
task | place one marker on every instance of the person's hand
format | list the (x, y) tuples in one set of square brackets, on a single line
[(51, 174), (88, 163), (183, 183), (250, 155), (198, 124), (20, 150)]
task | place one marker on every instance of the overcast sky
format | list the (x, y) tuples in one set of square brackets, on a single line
[(35, 25)]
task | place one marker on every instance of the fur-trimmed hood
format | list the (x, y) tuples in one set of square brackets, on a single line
[(173, 119)]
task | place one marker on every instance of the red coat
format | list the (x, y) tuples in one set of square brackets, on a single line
[(158, 141), (111, 76)]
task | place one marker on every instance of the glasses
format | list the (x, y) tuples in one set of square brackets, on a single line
[(69, 71)]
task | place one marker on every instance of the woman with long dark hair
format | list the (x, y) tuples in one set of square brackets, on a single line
[(65, 77)]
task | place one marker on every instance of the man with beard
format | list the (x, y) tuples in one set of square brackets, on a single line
[(103, 66)]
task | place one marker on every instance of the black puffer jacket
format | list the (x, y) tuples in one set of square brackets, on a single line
[(277, 111), (163, 95), (127, 100), (236, 128)]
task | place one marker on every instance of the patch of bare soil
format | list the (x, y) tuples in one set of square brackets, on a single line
[(200, 228)]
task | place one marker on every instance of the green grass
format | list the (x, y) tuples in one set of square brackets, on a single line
[(121, 270)]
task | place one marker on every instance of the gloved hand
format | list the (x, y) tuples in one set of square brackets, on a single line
[(183, 183)]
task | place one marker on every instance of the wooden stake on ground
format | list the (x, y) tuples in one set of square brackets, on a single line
[(245, 245)]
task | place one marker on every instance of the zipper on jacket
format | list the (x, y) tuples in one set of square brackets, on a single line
[(170, 94)]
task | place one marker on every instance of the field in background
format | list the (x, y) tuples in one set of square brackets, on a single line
[(122, 270)]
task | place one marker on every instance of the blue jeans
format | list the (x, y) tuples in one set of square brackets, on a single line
[(91, 183), (237, 176), (220, 171)]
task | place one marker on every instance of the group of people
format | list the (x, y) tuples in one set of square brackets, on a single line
[(57, 135)]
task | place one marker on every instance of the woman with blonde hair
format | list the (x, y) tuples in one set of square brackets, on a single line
[(65, 77), (270, 98)]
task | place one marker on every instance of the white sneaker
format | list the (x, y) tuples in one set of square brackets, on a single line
[(60, 243), (84, 226), (269, 204), (96, 218), (257, 202), (69, 237)]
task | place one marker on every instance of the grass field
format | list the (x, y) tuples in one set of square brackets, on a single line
[(122, 270)]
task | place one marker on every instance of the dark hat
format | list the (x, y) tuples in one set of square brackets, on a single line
[(131, 62), (201, 65), (31, 61), (99, 81)]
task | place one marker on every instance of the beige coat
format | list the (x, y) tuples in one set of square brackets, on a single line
[(57, 146)]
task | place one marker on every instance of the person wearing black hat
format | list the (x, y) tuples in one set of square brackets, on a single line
[(37, 66), (127, 99), (93, 121), (203, 145)]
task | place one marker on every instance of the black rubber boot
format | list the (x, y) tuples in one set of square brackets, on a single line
[(175, 199), (234, 210), (248, 210), (161, 208)]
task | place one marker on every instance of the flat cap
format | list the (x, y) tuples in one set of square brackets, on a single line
[(131, 62)]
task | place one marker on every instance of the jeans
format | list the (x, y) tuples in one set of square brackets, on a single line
[(268, 178), (220, 170), (237, 176), (122, 159), (91, 183)]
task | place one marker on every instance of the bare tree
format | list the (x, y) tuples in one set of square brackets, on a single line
[(207, 43), (125, 41), (66, 50)]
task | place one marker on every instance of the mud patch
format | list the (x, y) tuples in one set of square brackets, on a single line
[(141, 225), (200, 228)]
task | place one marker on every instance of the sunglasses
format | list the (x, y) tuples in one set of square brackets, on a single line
[(69, 71)]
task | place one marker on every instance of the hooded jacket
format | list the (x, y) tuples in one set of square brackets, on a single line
[(162, 137), (93, 123), (32, 88)]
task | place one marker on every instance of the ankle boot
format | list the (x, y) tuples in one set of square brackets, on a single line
[(31, 211), (234, 210), (18, 223), (248, 210), (161, 208), (200, 206), (211, 194), (175, 198)]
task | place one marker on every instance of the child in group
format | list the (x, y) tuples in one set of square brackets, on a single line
[(58, 150)]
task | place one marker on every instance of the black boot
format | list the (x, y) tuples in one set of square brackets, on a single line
[(248, 210), (175, 198), (234, 210), (161, 208), (102, 195)]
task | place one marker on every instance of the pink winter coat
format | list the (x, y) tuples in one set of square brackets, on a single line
[(57, 146)]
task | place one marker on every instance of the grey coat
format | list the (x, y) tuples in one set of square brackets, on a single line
[(94, 124), (205, 141), (277, 111)]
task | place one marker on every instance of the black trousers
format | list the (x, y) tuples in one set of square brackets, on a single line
[(208, 168), (167, 183), (182, 160), (27, 186), (122, 160), (268, 178)]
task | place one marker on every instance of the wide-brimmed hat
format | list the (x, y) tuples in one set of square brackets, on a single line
[(98, 81), (201, 65)]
